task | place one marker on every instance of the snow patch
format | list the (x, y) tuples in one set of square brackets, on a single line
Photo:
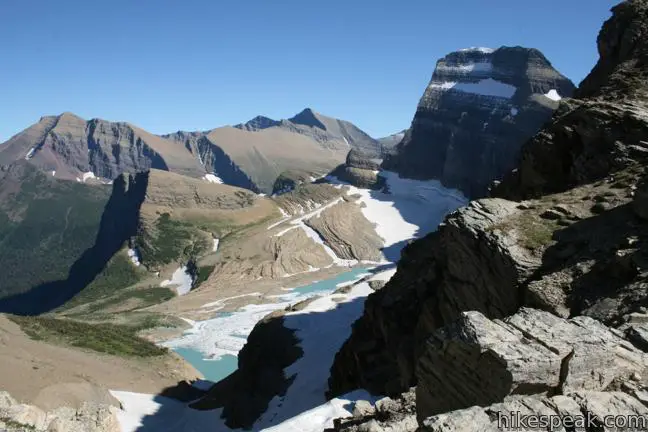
[(30, 153), (181, 280), (162, 414), (88, 175), (553, 95), (466, 68), (53, 173), (484, 50), (134, 256), (213, 178), (486, 87), (514, 112), (215, 245)]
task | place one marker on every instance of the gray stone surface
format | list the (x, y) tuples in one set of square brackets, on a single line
[(467, 139), (476, 361)]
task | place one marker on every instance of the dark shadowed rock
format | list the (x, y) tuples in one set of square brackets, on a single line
[(476, 361), (246, 393), (478, 110)]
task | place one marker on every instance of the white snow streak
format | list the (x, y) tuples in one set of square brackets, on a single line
[(181, 280), (479, 49), (465, 68), (486, 87), (30, 153), (213, 178), (553, 95), (134, 256)]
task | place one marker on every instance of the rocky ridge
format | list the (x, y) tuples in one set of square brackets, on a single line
[(535, 300), (478, 110), (69, 147)]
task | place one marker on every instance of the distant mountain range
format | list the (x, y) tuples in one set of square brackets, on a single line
[(250, 155)]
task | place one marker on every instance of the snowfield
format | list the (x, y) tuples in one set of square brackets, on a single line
[(553, 95), (486, 87), (180, 280), (213, 178)]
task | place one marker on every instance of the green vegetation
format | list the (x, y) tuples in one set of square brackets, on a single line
[(120, 340), (45, 226), (533, 231), (203, 273), (171, 240), (118, 274), (14, 425)]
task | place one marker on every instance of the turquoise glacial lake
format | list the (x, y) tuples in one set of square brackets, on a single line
[(212, 370), (216, 370)]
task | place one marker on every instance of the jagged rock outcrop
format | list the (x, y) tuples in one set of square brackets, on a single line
[(361, 169), (17, 417), (290, 180), (476, 361), (387, 415), (578, 246), (246, 393), (70, 147), (604, 129), (480, 107), (586, 411)]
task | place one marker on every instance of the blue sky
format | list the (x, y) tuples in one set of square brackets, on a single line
[(167, 65)]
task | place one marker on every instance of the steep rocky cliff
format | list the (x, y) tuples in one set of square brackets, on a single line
[(69, 147), (478, 110), (575, 248)]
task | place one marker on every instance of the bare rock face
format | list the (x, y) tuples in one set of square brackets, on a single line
[(623, 49), (604, 129), (476, 361), (478, 110), (17, 417), (465, 265), (246, 393), (347, 232), (388, 415), (70, 147), (577, 246), (581, 411)]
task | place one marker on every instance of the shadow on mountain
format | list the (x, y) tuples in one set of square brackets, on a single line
[(118, 223), (282, 374)]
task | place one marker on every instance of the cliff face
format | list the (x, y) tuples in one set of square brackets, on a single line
[(576, 248), (478, 110), (69, 147)]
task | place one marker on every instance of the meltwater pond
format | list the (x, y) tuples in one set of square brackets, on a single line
[(212, 346), (212, 370)]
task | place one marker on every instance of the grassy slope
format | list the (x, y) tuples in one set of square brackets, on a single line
[(104, 338), (45, 226)]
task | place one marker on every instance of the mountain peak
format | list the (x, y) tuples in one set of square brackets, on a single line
[(257, 123), (308, 117)]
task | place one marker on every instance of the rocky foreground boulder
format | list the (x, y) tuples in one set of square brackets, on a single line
[(478, 374), (17, 417), (477, 361), (480, 107)]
